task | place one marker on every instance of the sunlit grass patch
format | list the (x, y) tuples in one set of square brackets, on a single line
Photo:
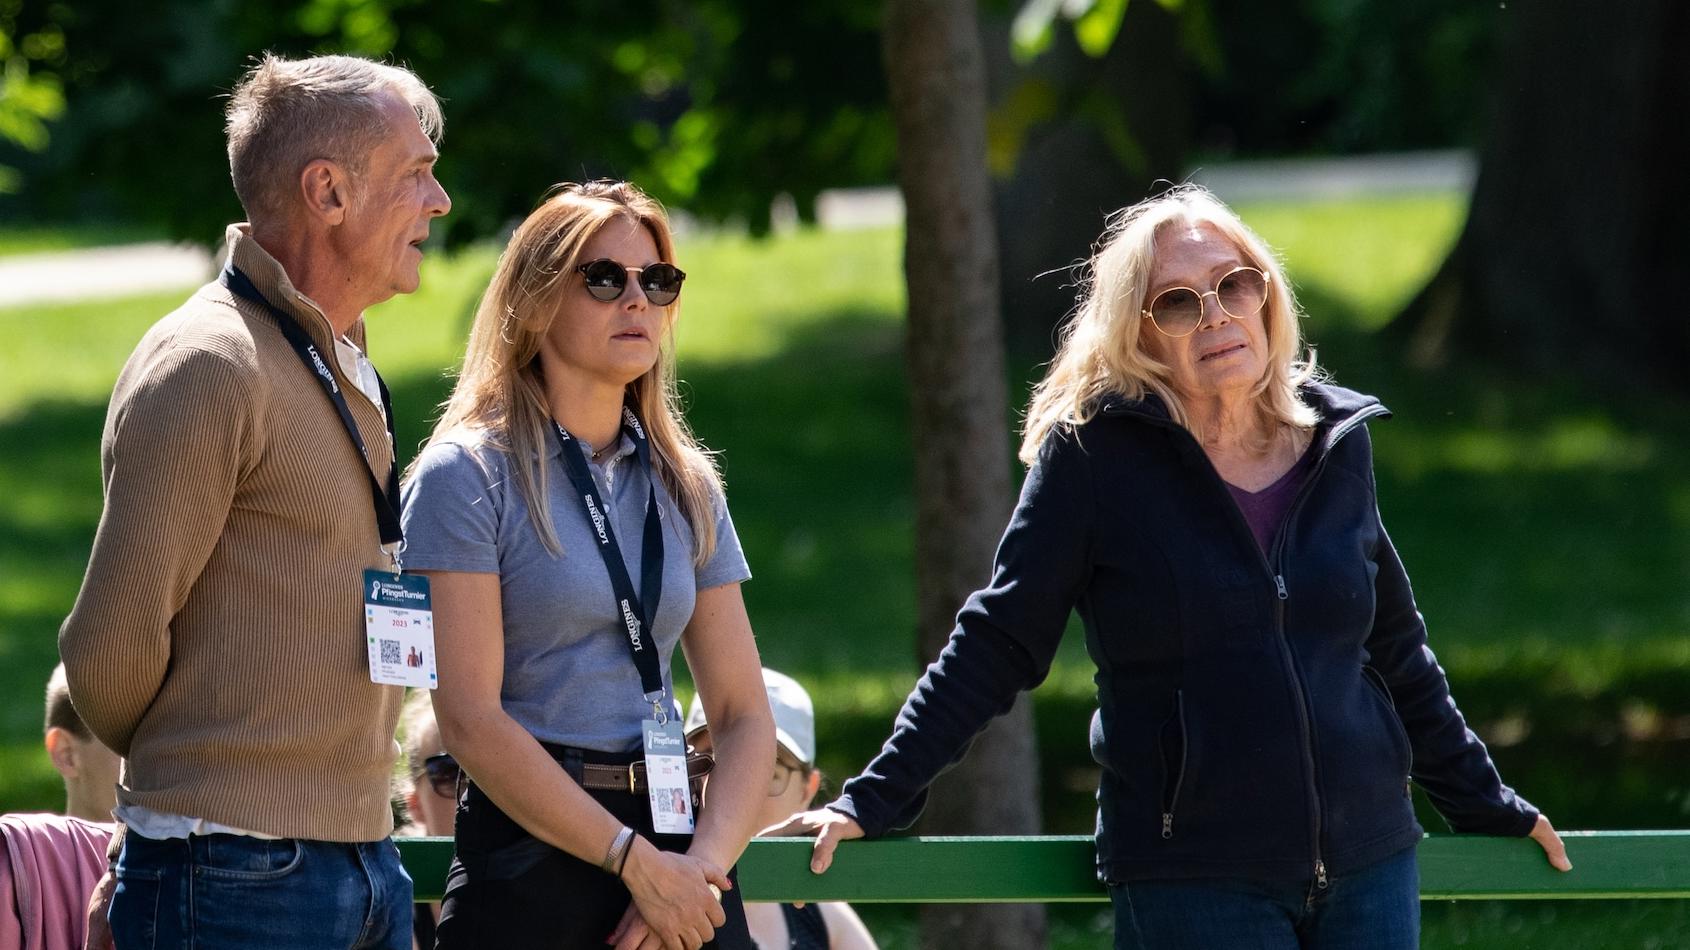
[(1371, 255), (1583, 440), (71, 352), (746, 298)]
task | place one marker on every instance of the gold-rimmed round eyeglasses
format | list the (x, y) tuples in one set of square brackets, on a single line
[(1178, 311)]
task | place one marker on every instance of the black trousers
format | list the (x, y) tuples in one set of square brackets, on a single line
[(507, 888)]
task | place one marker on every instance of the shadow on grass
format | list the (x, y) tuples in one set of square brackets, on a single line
[(816, 452), (1525, 508), (30, 782), (49, 505)]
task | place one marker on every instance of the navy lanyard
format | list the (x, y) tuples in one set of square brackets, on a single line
[(386, 501), (637, 612)]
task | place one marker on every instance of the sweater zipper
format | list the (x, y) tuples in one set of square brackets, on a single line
[(1275, 567), (1272, 565)]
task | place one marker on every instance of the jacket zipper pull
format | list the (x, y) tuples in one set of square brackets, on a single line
[(1167, 825), (1279, 585), (1320, 875)]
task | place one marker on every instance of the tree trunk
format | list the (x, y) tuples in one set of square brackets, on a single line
[(1576, 241), (1122, 122), (960, 417)]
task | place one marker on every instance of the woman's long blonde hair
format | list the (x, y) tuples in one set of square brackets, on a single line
[(500, 398), (1100, 353)]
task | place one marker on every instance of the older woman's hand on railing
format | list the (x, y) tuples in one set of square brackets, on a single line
[(1553, 848), (828, 826)]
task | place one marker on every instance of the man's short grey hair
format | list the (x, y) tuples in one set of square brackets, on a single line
[(285, 114)]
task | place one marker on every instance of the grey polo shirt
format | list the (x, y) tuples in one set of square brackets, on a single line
[(568, 676)]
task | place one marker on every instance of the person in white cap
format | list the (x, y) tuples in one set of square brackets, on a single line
[(826, 926)]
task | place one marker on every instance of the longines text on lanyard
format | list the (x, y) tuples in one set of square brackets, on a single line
[(638, 611), (398, 617), (386, 500), (664, 746)]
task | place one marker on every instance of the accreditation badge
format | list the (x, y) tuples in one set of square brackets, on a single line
[(399, 628), (666, 777)]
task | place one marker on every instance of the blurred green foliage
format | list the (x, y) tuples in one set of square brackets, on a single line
[(714, 105), (30, 91), (1095, 23), (1347, 76), (111, 110)]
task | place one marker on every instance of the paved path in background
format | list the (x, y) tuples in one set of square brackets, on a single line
[(138, 268), (1335, 178), (101, 273)]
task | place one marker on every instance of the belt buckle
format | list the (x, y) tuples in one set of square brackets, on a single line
[(631, 788)]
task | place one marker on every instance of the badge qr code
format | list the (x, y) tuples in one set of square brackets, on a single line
[(399, 627)]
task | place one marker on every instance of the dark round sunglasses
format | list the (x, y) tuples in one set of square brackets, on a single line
[(608, 279), (443, 772)]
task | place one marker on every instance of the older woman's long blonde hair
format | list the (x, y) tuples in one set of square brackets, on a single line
[(1101, 354), (500, 398)]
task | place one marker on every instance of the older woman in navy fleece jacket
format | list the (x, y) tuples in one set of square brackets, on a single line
[(1265, 691)]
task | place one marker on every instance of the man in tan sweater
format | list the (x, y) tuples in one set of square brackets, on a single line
[(218, 641)]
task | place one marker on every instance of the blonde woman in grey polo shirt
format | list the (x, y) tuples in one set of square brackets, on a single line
[(574, 532)]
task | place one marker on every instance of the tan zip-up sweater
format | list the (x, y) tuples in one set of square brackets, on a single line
[(218, 640)]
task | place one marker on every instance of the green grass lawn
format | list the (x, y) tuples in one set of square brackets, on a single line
[(1447, 925), (1548, 534), (30, 239)]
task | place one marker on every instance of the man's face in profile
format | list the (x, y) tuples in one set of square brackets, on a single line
[(394, 200)]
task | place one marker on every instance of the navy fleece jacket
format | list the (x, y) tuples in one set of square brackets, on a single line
[(1259, 714)]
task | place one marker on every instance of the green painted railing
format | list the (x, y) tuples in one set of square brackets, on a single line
[(1606, 864)]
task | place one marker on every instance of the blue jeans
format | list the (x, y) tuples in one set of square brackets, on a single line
[(215, 891), (1375, 908)]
